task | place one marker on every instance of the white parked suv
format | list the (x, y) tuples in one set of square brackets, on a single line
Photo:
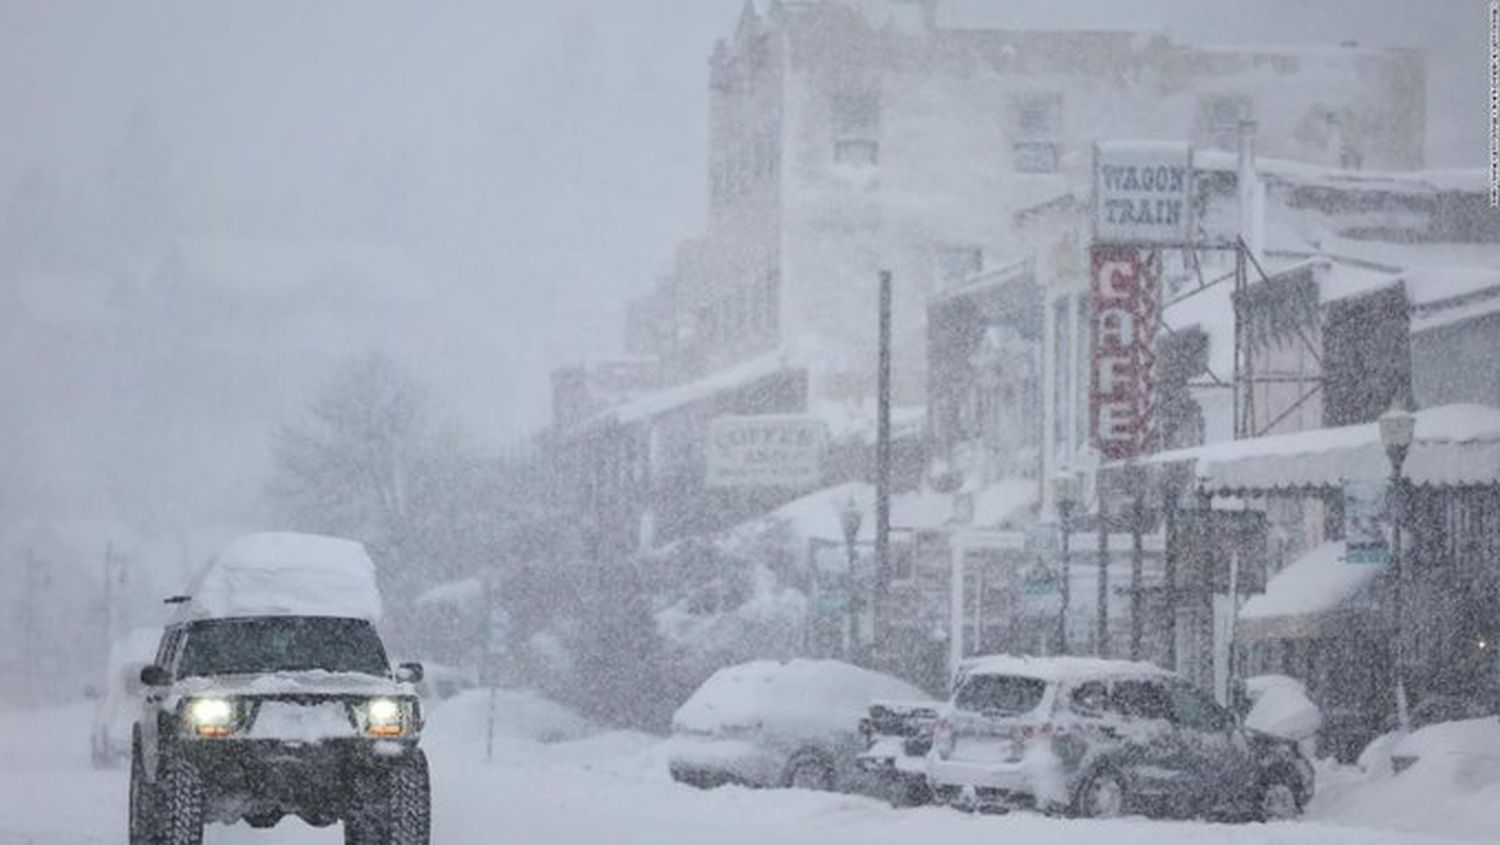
[(1098, 737)]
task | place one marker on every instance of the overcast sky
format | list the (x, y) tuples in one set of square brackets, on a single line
[(540, 159)]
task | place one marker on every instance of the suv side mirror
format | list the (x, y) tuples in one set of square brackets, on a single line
[(155, 676), (410, 673)]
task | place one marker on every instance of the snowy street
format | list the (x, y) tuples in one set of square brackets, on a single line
[(614, 788)]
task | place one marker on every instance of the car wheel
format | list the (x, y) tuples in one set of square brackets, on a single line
[(1102, 796), (180, 803), (409, 791), (1278, 800), (810, 771), (142, 802)]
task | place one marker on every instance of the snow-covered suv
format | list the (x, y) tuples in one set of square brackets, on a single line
[(1104, 737), (271, 695)]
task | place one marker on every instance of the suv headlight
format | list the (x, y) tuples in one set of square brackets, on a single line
[(211, 717), (388, 718)]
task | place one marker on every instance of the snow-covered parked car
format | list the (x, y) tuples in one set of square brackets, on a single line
[(271, 695), (1099, 737), (779, 724), (120, 699), (1470, 745), (898, 735)]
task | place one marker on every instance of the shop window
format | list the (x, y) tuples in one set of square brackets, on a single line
[(957, 264), (1219, 118), (1038, 133), (855, 119)]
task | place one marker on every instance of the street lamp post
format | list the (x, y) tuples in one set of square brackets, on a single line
[(1065, 495), (850, 519), (1397, 430)]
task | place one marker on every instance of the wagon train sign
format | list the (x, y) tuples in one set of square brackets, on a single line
[(765, 451), (1142, 193)]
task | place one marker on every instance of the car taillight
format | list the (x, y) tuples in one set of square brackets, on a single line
[(1029, 732), (942, 738)]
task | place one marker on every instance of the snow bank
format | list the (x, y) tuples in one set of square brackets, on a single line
[(280, 573), (1282, 707), (519, 715), (801, 697), (768, 623), (461, 593)]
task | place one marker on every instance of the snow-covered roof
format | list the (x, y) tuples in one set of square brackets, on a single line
[(801, 697), (1317, 582), (1454, 445), (817, 514), (284, 573), (661, 401), (1437, 318), (1062, 668)]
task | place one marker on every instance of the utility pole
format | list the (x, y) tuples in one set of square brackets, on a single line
[(29, 657), (1101, 636), (1137, 561), (882, 463)]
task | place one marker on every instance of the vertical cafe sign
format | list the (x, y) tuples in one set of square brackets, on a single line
[(1142, 202), (1125, 299)]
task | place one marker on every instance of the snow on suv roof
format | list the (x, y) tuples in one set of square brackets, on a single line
[(1057, 668), (287, 574)]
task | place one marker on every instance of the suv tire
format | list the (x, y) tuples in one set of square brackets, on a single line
[(1277, 798), (399, 810), (810, 770), (143, 801), (1102, 795), (180, 807)]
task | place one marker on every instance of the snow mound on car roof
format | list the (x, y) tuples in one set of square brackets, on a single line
[(284, 573), (1281, 707), (796, 696)]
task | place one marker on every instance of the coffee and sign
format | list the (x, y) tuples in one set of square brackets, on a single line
[(765, 451)]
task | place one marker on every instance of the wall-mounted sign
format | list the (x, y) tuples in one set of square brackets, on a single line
[(1142, 193), (765, 451), (1125, 290), (1366, 522)]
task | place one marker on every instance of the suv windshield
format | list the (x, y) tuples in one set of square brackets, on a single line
[(282, 644), (1000, 693)]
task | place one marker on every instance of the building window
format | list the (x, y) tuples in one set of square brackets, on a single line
[(957, 264), (855, 118), (1038, 133), (1219, 117), (861, 153)]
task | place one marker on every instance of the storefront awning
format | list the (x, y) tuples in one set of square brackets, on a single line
[(1306, 597), (1455, 445)]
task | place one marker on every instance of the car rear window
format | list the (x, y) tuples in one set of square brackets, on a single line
[(1000, 694)]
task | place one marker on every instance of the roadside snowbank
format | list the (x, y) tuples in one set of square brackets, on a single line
[(524, 716)]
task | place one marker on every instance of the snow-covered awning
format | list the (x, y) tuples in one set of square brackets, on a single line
[(1455, 445), (1301, 598)]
